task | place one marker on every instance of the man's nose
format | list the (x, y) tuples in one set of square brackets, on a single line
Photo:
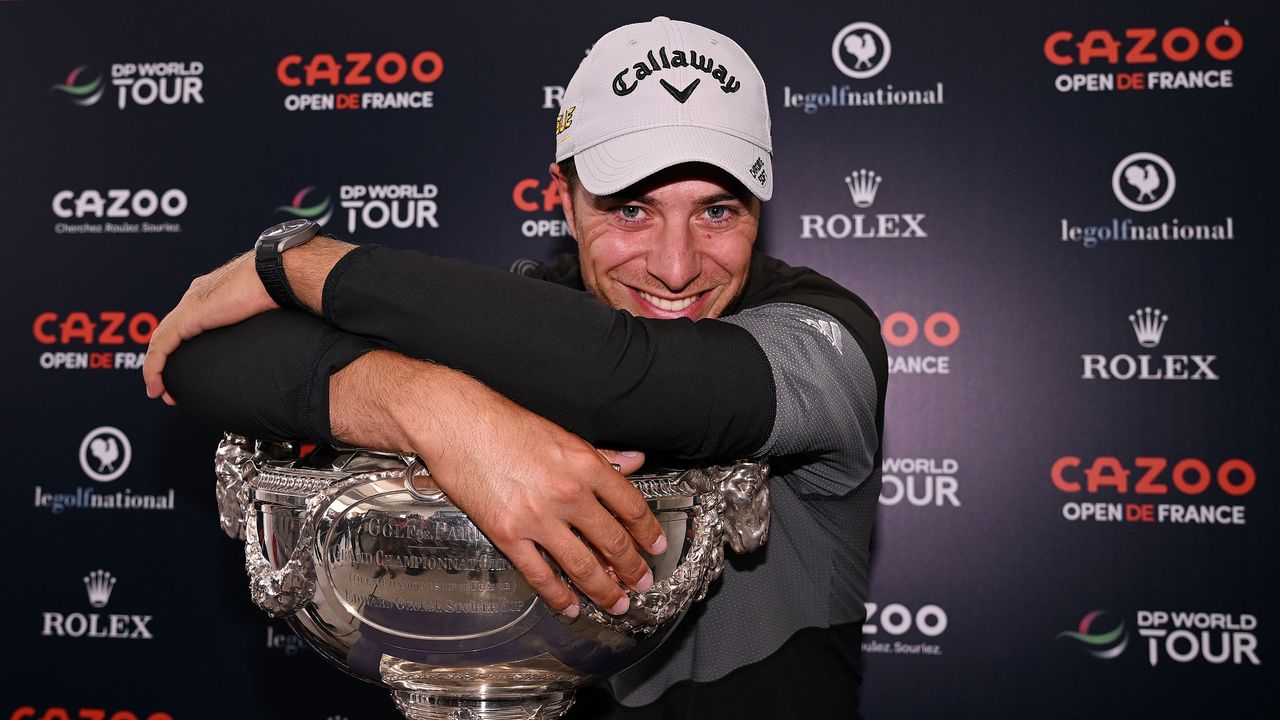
[(675, 261)]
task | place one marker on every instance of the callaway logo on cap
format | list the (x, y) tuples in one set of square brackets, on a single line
[(656, 94)]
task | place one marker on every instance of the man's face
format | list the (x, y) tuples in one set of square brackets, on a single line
[(677, 244)]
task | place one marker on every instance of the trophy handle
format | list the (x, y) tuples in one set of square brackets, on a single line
[(736, 511)]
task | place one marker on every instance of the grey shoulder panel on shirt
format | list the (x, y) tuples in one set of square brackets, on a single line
[(826, 394)]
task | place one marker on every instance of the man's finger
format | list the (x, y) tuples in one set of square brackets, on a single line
[(624, 461), (584, 569), (543, 578), (615, 547), (628, 505), (157, 352)]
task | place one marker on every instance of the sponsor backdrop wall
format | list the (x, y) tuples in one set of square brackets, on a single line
[(1059, 212)]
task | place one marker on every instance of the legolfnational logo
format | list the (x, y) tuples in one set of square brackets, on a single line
[(863, 186), (1173, 637), (105, 455), (360, 80), (1138, 59), (1153, 489), (98, 586), (102, 340), (118, 211), (137, 84), (1144, 182), (860, 51), (1148, 324)]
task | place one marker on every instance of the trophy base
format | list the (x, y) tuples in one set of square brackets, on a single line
[(418, 705)]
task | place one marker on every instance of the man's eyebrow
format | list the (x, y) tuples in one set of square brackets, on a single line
[(625, 198)]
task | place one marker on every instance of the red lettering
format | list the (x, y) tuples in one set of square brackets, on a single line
[(946, 320), (550, 196), (356, 76), (347, 101), (1055, 473), (282, 70), (1146, 484), (100, 360), (908, 336), (1107, 471), (1180, 476), (437, 66), (1134, 512), (395, 76), (77, 325), (136, 333), (37, 328), (113, 320), (517, 195), (1228, 33), (1098, 44), (92, 714), (1143, 37), (1188, 37), (1131, 81), (1249, 477), (55, 713), (322, 67), (1051, 44), (23, 713)]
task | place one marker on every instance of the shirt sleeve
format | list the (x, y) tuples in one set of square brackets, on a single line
[(685, 390), (688, 390), (826, 395), (267, 377)]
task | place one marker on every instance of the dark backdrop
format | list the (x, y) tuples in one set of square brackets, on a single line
[(1001, 586)]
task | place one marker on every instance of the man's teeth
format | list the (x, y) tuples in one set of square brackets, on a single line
[(670, 304)]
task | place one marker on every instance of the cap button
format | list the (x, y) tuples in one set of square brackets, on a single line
[(662, 17)]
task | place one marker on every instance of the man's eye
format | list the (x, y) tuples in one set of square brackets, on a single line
[(630, 212), (719, 212)]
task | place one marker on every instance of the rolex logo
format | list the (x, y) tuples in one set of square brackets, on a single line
[(1148, 325), (862, 187), (99, 583)]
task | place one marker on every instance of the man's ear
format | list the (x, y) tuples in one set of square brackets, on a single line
[(566, 196)]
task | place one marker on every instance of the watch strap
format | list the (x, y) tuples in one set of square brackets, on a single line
[(270, 267)]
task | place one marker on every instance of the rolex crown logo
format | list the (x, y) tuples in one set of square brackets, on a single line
[(1148, 325), (99, 583), (862, 187)]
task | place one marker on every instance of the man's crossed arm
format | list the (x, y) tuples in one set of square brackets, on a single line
[(525, 480)]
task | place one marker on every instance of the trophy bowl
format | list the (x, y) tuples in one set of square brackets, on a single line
[(382, 575)]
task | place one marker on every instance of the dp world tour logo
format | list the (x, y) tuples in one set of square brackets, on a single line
[(1100, 642), (320, 212), (82, 94)]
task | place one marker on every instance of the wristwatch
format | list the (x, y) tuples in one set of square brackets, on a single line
[(270, 265)]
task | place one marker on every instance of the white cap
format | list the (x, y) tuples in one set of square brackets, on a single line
[(656, 94)]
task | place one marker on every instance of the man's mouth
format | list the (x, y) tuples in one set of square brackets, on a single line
[(672, 305)]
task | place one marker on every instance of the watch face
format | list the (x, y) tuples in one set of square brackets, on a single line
[(280, 231)]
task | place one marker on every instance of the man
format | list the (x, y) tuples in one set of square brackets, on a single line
[(663, 162)]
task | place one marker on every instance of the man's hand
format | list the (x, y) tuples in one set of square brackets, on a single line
[(233, 293), (527, 483), (223, 297)]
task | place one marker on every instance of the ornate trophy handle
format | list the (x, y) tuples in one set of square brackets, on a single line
[(285, 590), (736, 511)]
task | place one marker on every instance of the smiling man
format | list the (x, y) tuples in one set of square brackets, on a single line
[(665, 333)]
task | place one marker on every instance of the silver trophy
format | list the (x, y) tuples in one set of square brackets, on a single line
[(388, 580)]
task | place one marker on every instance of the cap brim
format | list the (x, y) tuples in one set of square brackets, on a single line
[(621, 162)]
